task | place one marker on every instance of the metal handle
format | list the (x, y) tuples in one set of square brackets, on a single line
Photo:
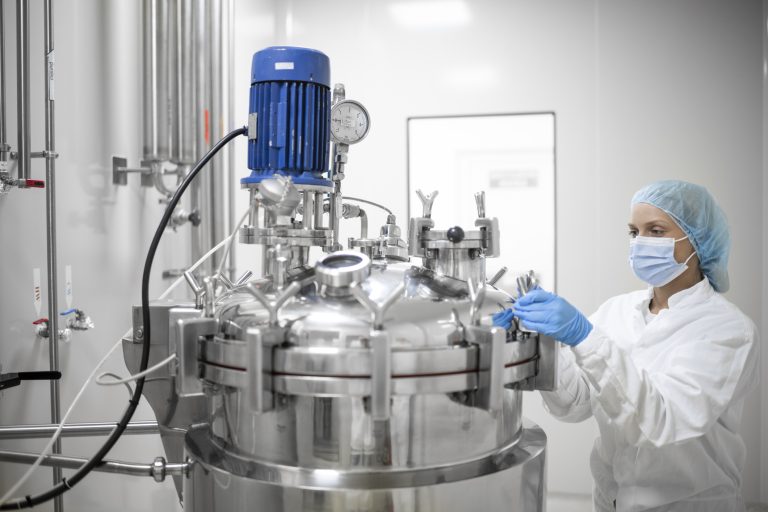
[(426, 202), (480, 201), (196, 289), (240, 281), (273, 305), (377, 310), (477, 296)]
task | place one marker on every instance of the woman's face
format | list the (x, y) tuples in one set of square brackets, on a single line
[(647, 220)]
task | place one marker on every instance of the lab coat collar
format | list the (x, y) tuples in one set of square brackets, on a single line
[(696, 293)]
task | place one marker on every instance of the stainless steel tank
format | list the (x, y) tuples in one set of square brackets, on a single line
[(372, 380)]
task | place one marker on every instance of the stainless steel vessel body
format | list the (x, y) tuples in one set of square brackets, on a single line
[(313, 443)]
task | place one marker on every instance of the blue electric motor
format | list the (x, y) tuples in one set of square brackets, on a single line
[(291, 106)]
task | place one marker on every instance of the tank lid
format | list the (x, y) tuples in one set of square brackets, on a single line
[(291, 64)]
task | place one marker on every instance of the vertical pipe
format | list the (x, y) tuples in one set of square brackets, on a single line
[(182, 83), (155, 69), (22, 88), (3, 134), (319, 199), (229, 82), (200, 237), (309, 209), (174, 79), (50, 213), (218, 192)]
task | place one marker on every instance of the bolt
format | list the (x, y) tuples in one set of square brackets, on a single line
[(139, 333)]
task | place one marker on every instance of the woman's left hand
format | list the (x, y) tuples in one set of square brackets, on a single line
[(550, 314)]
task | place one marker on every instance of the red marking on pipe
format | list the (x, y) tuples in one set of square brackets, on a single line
[(206, 116), (34, 183), (40, 321)]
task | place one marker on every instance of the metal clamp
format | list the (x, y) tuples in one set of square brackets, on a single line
[(416, 227), (188, 352), (490, 342), (381, 375), (260, 342), (381, 347), (273, 305)]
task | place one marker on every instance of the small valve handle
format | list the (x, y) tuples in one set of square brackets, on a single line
[(40, 321), (34, 184), (196, 289), (480, 202), (68, 312), (426, 202)]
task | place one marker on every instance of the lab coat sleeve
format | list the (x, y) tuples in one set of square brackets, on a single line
[(570, 401), (665, 407)]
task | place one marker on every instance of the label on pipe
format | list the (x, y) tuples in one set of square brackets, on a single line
[(50, 64)]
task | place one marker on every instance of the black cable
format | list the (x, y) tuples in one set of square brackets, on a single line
[(62, 487)]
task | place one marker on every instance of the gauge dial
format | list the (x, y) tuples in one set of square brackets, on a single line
[(349, 122)]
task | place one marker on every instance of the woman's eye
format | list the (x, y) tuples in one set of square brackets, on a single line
[(633, 234), (657, 232)]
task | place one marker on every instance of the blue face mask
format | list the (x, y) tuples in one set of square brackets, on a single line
[(653, 259)]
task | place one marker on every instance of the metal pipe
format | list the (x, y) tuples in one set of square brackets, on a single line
[(217, 213), (363, 224), (155, 70), (229, 85), (4, 148), (319, 200), (22, 88), (199, 197), (75, 430), (308, 211), (182, 83), (158, 470), (50, 215)]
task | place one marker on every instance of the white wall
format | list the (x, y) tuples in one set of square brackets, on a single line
[(641, 90), (103, 232)]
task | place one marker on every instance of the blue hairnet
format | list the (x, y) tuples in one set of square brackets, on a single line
[(699, 216)]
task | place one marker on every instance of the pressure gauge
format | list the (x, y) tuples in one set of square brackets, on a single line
[(349, 122)]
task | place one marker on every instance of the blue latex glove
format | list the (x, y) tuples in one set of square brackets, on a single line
[(552, 315), (503, 319)]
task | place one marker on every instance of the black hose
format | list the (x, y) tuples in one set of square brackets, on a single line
[(68, 483)]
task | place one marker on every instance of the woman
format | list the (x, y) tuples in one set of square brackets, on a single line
[(664, 371)]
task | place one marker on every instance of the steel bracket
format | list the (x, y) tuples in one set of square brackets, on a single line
[(260, 341), (490, 341), (120, 171), (190, 331), (381, 375)]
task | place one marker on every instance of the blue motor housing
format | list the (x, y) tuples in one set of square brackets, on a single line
[(291, 100)]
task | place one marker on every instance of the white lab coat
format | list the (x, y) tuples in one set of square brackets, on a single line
[(667, 397)]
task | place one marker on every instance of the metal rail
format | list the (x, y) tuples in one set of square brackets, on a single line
[(75, 430), (158, 469)]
